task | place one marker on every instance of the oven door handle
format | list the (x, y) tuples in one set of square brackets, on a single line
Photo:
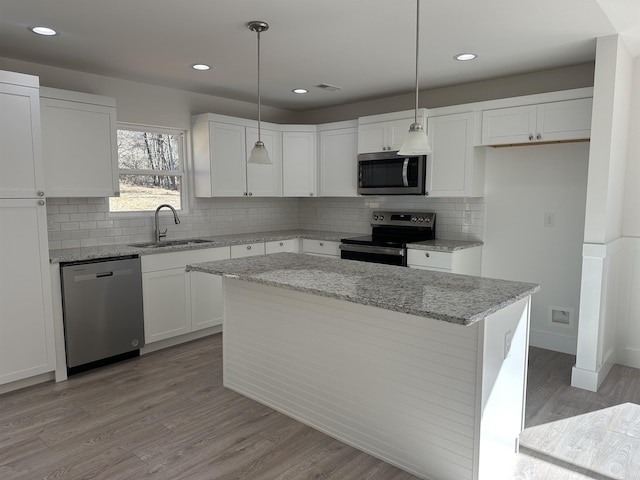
[(396, 252), (405, 168)]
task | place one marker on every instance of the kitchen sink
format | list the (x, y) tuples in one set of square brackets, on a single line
[(170, 243)]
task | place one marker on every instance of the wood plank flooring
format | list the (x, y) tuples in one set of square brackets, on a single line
[(167, 416)]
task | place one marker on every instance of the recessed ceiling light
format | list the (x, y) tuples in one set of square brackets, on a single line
[(200, 66), (300, 90), (42, 30), (463, 57)]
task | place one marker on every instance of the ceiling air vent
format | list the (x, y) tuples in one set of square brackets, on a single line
[(328, 88)]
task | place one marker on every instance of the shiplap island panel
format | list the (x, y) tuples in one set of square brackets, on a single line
[(435, 392)]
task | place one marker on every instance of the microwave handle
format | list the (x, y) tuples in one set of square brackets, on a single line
[(405, 167)]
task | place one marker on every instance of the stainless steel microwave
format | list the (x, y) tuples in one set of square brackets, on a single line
[(387, 173)]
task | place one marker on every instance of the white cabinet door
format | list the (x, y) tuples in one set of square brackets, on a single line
[(509, 125), (277, 246), (219, 159), (398, 130), (383, 136), (26, 312), (466, 261), (568, 120), (206, 300), (320, 247), (338, 162), (299, 163), (264, 180), (547, 122), (79, 142), (21, 174), (206, 290), (454, 169), (372, 137), (248, 250), (167, 304)]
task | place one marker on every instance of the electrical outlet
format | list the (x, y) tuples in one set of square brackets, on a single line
[(468, 217), (507, 343), (550, 220)]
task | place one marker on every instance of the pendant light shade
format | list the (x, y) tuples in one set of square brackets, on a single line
[(259, 152), (417, 142)]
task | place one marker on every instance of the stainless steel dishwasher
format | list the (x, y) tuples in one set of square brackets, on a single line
[(102, 310)]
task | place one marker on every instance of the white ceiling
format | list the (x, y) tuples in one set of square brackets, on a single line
[(364, 46)]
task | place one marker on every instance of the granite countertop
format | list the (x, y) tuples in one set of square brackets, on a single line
[(438, 245), (448, 297), (105, 251), (118, 250)]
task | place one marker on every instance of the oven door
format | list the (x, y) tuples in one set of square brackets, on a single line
[(389, 174), (374, 254)]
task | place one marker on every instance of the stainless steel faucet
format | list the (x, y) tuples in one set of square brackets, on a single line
[(160, 234)]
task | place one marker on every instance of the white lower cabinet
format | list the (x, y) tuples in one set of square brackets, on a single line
[(291, 245), (206, 300), (466, 261), (247, 250), (320, 247), (176, 301), (26, 322)]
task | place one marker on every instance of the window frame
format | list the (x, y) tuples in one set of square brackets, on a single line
[(183, 152)]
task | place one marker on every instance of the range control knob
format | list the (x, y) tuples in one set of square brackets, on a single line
[(375, 217), (381, 217), (427, 219), (420, 219), (414, 219)]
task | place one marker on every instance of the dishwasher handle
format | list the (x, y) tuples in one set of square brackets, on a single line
[(104, 274)]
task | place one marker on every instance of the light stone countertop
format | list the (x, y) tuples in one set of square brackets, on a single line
[(438, 245), (117, 250), (448, 297), (105, 251)]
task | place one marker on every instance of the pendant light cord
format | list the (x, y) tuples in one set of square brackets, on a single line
[(259, 139), (417, 56)]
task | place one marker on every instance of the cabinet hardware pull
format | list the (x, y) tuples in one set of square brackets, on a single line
[(40, 202), (426, 254), (250, 194), (321, 244), (248, 247), (246, 194), (530, 138), (40, 193), (281, 244), (538, 137)]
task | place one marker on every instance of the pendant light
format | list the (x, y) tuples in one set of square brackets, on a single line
[(259, 152), (416, 142)]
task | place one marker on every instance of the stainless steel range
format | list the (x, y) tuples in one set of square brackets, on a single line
[(390, 234)]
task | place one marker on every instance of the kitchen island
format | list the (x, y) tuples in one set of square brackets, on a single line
[(425, 370)]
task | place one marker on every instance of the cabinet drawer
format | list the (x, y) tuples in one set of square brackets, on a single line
[(165, 261), (248, 250), (290, 245), (422, 258), (322, 247)]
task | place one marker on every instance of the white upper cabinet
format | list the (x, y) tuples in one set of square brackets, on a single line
[(20, 145), (455, 168), (79, 140), (221, 146), (264, 180), (547, 122), (338, 151), (299, 160), (219, 159), (386, 132)]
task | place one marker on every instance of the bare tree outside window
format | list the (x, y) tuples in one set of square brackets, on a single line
[(151, 170)]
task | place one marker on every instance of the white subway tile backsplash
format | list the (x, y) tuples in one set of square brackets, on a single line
[(224, 216)]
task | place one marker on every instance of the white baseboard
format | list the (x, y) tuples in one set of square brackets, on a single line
[(552, 341), (26, 382), (170, 342)]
